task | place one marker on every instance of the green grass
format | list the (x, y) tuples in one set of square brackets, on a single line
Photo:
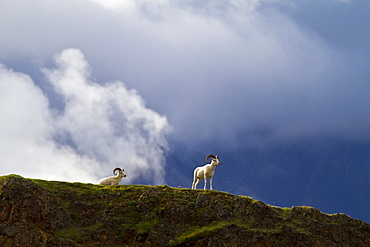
[(193, 232), (72, 233), (196, 232), (144, 227)]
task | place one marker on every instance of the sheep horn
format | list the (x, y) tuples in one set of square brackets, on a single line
[(116, 169), (210, 156)]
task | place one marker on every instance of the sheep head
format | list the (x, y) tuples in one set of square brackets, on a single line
[(120, 171), (214, 159)]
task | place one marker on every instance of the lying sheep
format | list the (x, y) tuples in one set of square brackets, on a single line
[(113, 180)]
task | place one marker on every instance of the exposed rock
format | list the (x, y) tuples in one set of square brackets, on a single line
[(28, 214), (202, 200)]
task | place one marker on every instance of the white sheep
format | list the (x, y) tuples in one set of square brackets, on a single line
[(206, 171), (113, 180)]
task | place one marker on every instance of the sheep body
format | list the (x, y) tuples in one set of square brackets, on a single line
[(113, 180), (206, 171)]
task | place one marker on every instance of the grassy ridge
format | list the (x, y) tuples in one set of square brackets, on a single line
[(143, 215)]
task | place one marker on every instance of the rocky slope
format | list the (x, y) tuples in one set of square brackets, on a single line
[(48, 213)]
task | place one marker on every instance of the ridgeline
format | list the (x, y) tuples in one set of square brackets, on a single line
[(50, 213)]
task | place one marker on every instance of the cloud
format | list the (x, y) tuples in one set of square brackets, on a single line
[(342, 1), (26, 134), (262, 70), (99, 127)]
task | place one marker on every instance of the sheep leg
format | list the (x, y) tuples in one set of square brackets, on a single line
[(205, 182), (195, 180), (195, 183), (210, 183)]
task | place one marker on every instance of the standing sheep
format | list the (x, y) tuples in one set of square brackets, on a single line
[(206, 171)]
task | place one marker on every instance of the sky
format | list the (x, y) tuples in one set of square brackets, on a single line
[(278, 89)]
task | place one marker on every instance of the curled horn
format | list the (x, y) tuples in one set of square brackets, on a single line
[(210, 156), (117, 169)]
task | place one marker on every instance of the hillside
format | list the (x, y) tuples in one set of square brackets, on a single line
[(49, 213)]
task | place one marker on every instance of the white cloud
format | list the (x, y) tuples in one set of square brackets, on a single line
[(100, 127), (114, 4), (26, 130)]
